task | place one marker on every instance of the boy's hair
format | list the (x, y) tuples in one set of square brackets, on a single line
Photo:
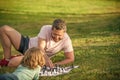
[(59, 24), (33, 57)]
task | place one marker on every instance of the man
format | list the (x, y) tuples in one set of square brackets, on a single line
[(51, 39)]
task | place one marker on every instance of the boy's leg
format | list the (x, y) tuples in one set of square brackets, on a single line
[(8, 76), (14, 62)]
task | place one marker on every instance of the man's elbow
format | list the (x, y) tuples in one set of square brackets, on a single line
[(72, 60)]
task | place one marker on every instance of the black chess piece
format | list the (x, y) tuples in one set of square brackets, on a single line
[(72, 66), (44, 69)]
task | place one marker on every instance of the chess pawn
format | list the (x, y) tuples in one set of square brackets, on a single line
[(44, 67), (63, 70), (45, 73), (72, 66), (60, 70), (48, 68), (40, 74), (55, 71)]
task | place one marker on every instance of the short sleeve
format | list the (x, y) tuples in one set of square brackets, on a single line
[(42, 33), (68, 45)]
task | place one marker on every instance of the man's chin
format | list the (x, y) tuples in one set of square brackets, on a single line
[(56, 40)]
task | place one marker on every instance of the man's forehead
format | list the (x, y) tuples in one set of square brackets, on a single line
[(58, 30)]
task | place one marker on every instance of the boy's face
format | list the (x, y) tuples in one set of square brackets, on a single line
[(57, 35)]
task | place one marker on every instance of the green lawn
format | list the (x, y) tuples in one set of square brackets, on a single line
[(94, 27), (60, 6)]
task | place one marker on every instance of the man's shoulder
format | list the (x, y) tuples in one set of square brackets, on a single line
[(66, 36), (47, 26)]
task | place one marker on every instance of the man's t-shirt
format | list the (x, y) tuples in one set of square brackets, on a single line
[(51, 47)]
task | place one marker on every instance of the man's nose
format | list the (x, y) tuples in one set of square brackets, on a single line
[(57, 37)]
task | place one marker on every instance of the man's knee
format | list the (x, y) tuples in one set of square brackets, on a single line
[(4, 28)]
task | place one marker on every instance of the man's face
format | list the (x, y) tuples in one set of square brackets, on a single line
[(57, 35)]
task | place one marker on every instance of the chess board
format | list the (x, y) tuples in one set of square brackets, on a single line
[(57, 70)]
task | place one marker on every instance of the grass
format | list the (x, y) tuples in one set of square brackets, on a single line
[(94, 30), (60, 6)]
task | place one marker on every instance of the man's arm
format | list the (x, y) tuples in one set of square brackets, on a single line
[(69, 58), (41, 45)]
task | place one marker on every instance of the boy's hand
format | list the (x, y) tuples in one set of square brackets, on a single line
[(49, 63)]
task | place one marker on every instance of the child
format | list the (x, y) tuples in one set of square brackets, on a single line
[(30, 66)]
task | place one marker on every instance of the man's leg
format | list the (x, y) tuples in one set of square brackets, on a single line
[(9, 37)]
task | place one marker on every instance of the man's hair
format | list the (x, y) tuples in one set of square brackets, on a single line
[(32, 58), (59, 24)]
